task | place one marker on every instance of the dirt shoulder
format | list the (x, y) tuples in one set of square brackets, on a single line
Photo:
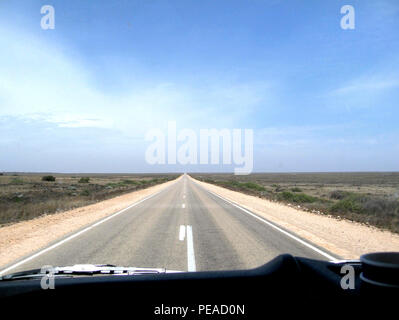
[(23, 238), (344, 238)]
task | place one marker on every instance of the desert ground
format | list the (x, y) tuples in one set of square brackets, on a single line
[(371, 198), (25, 196)]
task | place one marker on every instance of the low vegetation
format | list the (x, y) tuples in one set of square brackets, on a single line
[(296, 197), (296, 189), (48, 178), (84, 180), (28, 196), (16, 181), (370, 198), (233, 184)]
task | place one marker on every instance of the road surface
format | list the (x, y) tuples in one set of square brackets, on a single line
[(183, 227)]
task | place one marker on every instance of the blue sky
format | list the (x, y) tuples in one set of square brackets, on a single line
[(81, 97)]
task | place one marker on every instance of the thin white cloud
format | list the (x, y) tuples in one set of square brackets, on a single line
[(39, 78), (370, 90), (366, 86)]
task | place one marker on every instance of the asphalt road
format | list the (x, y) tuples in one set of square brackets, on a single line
[(183, 227)]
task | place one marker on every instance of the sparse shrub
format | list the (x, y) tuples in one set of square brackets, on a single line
[(286, 195), (277, 187), (296, 189), (346, 205), (368, 208), (339, 194), (85, 193), (253, 186), (365, 204), (113, 185), (48, 178), (84, 180), (233, 184), (130, 182), (16, 181), (381, 205), (296, 197), (350, 203)]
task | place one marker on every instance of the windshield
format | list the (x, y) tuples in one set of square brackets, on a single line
[(197, 135)]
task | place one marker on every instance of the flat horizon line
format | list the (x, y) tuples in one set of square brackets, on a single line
[(179, 172)]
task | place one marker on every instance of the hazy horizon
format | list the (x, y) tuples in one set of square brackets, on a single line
[(190, 172)]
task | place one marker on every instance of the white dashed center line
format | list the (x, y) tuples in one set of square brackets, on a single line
[(190, 246), (182, 233)]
